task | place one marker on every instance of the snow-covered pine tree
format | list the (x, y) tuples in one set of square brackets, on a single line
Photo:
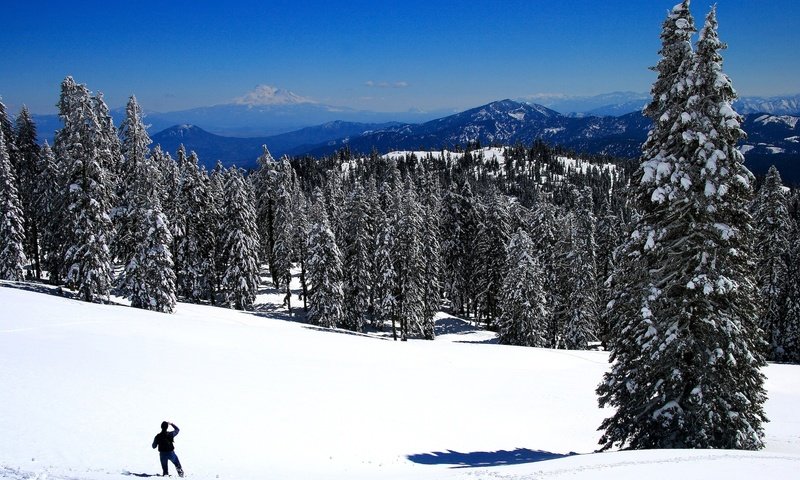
[(491, 241), (283, 226), (431, 253), (461, 223), (87, 261), (773, 228), (299, 238), (109, 150), (168, 175), (357, 259), (28, 163), (326, 298), (334, 201), (410, 267), (195, 243), (385, 279), (7, 127), (12, 232), (523, 302), (216, 219), (580, 326), (452, 254), (149, 276), (49, 213), (264, 179), (789, 349), (545, 237), (610, 232), (633, 330), (241, 243), (135, 148), (687, 375)]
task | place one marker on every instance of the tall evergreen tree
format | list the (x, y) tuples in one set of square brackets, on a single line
[(7, 127), (87, 260), (385, 279), (283, 244), (686, 374), (195, 243), (301, 230), (494, 232), (264, 181), (134, 150), (581, 300), (788, 350), (28, 164), (545, 237), (240, 243), (12, 233), (357, 259), (149, 276), (431, 254), (410, 267), (49, 213), (324, 268), (523, 302), (773, 228)]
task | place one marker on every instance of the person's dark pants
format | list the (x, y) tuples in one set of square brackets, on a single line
[(172, 458)]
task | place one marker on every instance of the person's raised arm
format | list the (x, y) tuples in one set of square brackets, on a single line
[(176, 429)]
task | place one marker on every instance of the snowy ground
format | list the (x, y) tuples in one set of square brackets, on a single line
[(83, 389)]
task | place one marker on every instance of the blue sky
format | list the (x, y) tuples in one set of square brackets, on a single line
[(376, 55)]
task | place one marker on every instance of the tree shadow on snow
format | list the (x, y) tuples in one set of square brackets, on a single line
[(31, 286), (269, 310), (485, 459), (454, 326), (343, 332), (459, 326)]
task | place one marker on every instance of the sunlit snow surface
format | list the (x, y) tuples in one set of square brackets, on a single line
[(83, 389)]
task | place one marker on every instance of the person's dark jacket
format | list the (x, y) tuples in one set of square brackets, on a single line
[(164, 440)]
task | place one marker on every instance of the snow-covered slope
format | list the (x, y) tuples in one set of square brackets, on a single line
[(84, 387)]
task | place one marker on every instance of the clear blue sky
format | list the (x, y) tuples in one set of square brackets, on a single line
[(416, 54)]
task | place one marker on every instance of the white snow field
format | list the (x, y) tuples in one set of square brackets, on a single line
[(84, 387)]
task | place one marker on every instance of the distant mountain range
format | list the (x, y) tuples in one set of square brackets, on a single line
[(262, 112), (622, 103), (771, 138), (268, 111), (290, 124), (507, 122), (244, 152)]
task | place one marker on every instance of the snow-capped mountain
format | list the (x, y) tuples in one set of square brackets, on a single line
[(621, 103), (508, 122), (785, 105), (269, 95)]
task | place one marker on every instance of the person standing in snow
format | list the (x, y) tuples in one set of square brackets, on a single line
[(166, 449)]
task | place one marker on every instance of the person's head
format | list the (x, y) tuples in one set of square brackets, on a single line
[(164, 426)]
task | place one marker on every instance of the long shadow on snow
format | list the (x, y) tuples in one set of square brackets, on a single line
[(459, 326), (131, 474), (485, 459), (278, 312), (32, 286), (453, 326)]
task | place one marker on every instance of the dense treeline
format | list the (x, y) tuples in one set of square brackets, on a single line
[(520, 239)]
